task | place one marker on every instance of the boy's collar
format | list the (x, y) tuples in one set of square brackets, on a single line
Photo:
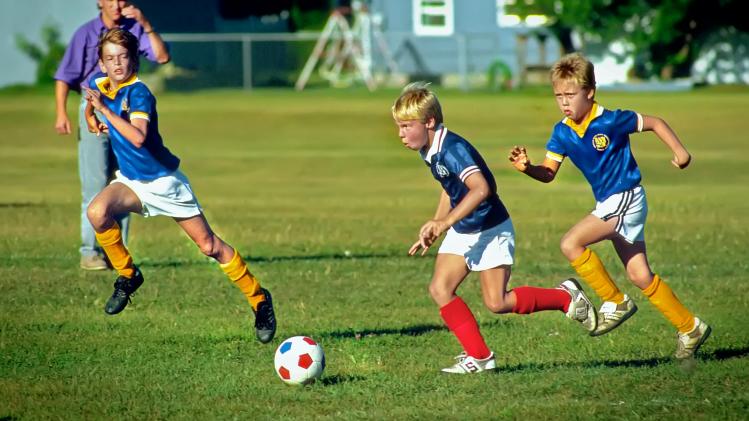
[(595, 111), (439, 135), (104, 85)]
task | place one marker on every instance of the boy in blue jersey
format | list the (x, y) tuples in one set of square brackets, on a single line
[(149, 181), (597, 142), (480, 236)]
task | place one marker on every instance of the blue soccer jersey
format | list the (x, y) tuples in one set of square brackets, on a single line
[(599, 147), (130, 100), (452, 159)]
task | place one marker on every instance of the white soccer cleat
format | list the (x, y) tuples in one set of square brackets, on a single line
[(470, 365), (581, 309), (612, 315), (688, 343)]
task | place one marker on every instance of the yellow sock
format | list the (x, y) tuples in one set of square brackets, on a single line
[(111, 241), (664, 299), (237, 271), (591, 269)]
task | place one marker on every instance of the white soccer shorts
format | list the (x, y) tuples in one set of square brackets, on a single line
[(631, 209), (485, 249), (170, 195)]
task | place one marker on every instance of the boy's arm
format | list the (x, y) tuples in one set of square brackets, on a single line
[(134, 131), (682, 158), (93, 123), (478, 191), (544, 172), (443, 207)]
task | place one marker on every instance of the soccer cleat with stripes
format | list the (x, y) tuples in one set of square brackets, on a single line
[(581, 309), (612, 315), (688, 343), (469, 365)]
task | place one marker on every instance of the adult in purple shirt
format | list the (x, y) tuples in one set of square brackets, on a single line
[(95, 159)]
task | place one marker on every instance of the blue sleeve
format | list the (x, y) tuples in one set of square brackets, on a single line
[(555, 147), (628, 121), (92, 80), (459, 161), (142, 103)]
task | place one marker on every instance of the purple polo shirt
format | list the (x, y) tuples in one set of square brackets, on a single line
[(81, 57)]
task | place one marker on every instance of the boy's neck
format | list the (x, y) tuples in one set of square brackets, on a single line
[(113, 85), (587, 115), (431, 133)]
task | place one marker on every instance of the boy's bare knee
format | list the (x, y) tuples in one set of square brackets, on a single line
[(570, 247), (497, 306), (641, 278), (97, 214), (439, 293)]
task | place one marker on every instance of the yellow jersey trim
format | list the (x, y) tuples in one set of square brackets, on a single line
[(580, 129), (140, 114), (104, 85), (554, 156)]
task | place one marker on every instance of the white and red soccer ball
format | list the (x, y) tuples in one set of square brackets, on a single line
[(299, 360)]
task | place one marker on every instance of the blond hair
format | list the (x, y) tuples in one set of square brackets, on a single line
[(574, 67), (417, 102)]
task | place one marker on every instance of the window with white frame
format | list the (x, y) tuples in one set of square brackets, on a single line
[(433, 17)]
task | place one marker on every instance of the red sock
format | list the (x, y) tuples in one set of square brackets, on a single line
[(531, 299), (462, 324)]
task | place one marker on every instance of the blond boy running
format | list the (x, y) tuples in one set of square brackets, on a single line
[(597, 142), (480, 236)]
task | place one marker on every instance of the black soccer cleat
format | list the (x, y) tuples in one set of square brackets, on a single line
[(123, 288), (265, 319)]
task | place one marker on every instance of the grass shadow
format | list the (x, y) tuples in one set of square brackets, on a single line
[(716, 355), (725, 354), (270, 259), (12, 205), (358, 334), (337, 379)]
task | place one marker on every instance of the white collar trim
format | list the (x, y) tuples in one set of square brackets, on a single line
[(436, 147)]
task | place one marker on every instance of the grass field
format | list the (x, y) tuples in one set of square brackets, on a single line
[(315, 189)]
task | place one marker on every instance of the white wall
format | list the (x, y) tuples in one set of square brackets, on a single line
[(27, 17)]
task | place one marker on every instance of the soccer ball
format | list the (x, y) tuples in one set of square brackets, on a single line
[(299, 360)]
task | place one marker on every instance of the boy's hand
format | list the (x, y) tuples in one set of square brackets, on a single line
[(433, 229), (682, 160), (93, 123), (519, 158), (416, 246), (94, 98), (428, 234)]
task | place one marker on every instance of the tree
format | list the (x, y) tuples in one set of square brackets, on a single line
[(48, 58), (666, 35)]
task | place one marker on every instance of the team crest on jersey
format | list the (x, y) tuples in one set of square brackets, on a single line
[(124, 106), (441, 170), (600, 142)]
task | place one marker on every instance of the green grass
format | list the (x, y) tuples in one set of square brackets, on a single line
[(316, 190)]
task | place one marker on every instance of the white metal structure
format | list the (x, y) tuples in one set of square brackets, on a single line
[(344, 52)]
